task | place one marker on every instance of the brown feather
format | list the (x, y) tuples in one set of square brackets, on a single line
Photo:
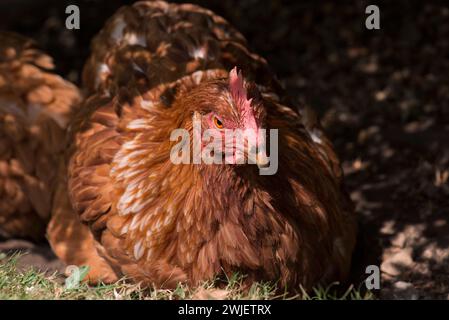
[(35, 108)]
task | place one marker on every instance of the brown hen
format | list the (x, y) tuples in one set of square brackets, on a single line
[(156, 67), (35, 106)]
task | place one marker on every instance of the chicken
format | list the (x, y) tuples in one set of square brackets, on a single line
[(128, 210), (35, 106)]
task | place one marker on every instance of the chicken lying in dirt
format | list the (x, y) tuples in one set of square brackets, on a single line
[(126, 209), (35, 107)]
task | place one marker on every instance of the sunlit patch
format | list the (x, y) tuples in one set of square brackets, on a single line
[(198, 53), (102, 71), (147, 104), (138, 124), (138, 68), (315, 134), (139, 250), (117, 32), (134, 39)]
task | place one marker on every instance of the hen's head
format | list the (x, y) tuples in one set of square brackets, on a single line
[(233, 109)]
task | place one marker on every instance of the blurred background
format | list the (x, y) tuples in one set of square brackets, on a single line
[(382, 95)]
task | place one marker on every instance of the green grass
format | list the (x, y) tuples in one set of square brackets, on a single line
[(34, 284)]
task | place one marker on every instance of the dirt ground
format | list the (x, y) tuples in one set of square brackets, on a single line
[(383, 97)]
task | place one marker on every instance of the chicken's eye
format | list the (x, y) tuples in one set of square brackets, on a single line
[(218, 123)]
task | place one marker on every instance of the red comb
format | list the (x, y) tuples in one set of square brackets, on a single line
[(238, 90)]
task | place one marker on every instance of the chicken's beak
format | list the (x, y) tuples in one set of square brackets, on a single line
[(262, 160), (257, 153)]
